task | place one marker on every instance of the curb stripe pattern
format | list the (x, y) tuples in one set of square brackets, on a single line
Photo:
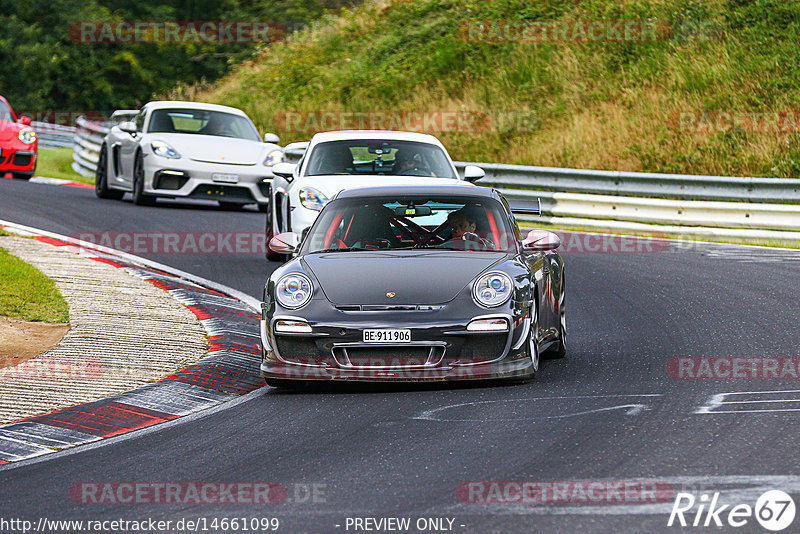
[(230, 369), (51, 181)]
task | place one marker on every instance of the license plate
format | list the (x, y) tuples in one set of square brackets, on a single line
[(225, 178), (387, 336)]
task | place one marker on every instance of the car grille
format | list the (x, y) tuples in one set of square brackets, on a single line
[(300, 350), (22, 160), (223, 192), (483, 347), (391, 357), (265, 186), (168, 180)]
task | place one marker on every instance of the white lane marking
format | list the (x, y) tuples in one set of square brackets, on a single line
[(633, 409), (719, 400)]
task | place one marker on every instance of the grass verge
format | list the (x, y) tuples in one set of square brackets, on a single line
[(616, 104), (57, 163), (26, 293)]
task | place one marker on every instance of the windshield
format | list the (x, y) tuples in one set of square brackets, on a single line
[(469, 224), (203, 122), (368, 156), (5, 112)]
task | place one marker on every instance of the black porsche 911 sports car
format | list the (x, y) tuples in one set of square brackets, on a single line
[(413, 283)]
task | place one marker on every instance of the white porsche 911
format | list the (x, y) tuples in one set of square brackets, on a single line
[(188, 150), (334, 161)]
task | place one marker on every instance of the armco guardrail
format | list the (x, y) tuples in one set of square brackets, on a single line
[(53, 135), (674, 186), (87, 142), (668, 204)]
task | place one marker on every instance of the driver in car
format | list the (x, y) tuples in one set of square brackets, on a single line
[(463, 223), (405, 162), (216, 125)]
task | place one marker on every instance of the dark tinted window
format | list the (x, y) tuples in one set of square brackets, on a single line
[(360, 156), (419, 222)]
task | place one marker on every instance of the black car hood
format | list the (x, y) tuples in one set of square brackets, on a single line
[(415, 277)]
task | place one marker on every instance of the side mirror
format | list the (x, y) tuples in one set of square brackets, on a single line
[(271, 138), (128, 127), (25, 120), (285, 243), (473, 173), (540, 241), (284, 170)]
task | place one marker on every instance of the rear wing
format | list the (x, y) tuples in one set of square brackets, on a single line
[(527, 207), (123, 115), (294, 151)]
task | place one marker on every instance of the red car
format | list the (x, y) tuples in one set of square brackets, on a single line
[(18, 143)]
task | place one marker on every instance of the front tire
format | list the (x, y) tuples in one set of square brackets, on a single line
[(139, 196), (101, 189), (22, 175)]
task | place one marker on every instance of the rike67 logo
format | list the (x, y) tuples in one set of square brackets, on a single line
[(774, 511)]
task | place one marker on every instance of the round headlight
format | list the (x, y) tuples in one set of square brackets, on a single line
[(293, 291), (27, 136), (492, 289), (312, 198)]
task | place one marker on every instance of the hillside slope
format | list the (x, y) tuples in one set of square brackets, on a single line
[(680, 101)]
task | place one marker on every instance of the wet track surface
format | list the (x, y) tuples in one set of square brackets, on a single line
[(608, 412)]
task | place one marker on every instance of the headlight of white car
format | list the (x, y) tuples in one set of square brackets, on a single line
[(160, 148), (273, 158), (27, 136), (492, 289), (293, 291), (313, 199)]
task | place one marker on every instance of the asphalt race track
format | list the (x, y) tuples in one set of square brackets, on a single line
[(609, 412)]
